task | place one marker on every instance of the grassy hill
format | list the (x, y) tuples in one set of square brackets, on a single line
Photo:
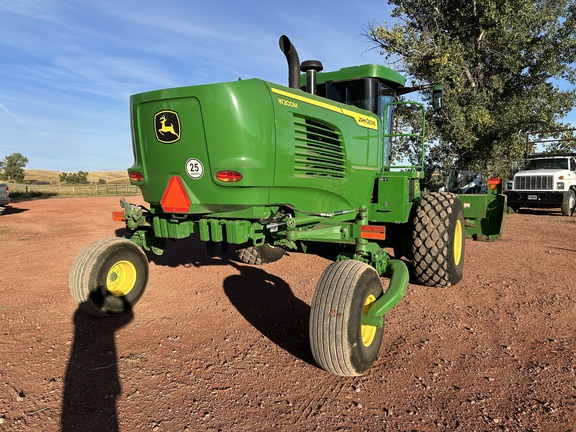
[(53, 177)]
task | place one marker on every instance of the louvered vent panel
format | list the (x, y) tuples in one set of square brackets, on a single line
[(319, 151)]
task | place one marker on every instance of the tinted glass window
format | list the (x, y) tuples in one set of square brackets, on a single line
[(361, 93)]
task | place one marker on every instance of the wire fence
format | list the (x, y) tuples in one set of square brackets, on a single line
[(79, 190)]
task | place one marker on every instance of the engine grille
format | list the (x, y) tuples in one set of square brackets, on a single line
[(318, 149), (545, 182)]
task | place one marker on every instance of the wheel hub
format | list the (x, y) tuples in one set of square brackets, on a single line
[(121, 278), (368, 332), (458, 243)]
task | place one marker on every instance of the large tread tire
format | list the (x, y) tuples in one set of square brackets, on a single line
[(570, 206), (108, 277), (438, 240), (259, 255), (339, 342)]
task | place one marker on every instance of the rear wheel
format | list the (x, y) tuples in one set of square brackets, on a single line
[(570, 205), (258, 255), (339, 342), (438, 240), (109, 276)]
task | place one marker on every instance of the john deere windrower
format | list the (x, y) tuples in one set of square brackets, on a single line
[(266, 168)]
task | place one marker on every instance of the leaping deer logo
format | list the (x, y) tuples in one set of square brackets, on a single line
[(167, 126)]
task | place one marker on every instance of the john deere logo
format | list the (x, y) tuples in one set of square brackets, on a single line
[(167, 126)]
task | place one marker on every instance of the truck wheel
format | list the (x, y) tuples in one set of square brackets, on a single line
[(438, 240), (340, 343), (512, 209), (570, 205), (258, 255), (109, 276)]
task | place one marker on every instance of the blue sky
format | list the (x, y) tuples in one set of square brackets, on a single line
[(68, 68)]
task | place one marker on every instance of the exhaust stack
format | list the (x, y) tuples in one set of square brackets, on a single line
[(293, 62)]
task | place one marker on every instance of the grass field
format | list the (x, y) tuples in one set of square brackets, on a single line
[(53, 177)]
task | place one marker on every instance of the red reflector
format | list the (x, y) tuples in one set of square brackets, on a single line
[(136, 176), (118, 216), (175, 198), (373, 232), (228, 176)]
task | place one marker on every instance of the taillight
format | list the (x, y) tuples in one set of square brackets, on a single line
[(7, 192), (228, 176), (136, 177)]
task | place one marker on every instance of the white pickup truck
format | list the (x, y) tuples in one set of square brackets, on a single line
[(4, 196), (546, 181)]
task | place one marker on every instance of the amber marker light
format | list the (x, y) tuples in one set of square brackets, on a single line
[(228, 176), (118, 216), (136, 177), (493, 182), (373, 232)]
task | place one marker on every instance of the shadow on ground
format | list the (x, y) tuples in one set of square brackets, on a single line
[(91, 383), (12, 210), (266, 301)]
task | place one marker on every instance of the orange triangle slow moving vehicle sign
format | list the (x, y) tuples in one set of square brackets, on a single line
[(175, 198)]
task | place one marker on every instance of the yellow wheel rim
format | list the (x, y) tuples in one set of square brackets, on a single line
[(368, 332), (458, 242), (121, 278)]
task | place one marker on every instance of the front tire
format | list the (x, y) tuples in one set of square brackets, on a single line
[(108, 277), (438, 240), (512, 209), (340, 343), (570, 205)]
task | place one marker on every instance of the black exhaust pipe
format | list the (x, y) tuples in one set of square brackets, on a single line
[(293, 62)]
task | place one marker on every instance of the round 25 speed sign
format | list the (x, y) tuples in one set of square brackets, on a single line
[(194, 168)]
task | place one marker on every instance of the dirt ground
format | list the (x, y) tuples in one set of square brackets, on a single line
[(218, 345)]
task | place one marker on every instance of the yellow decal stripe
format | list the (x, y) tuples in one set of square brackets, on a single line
[(361, 120)]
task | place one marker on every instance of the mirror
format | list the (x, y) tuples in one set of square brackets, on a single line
[(437, 97)]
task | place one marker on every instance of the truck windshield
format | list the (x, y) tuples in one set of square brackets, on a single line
[(537, 164)]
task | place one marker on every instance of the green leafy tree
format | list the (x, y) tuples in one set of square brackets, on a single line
[(81, 177), (12, 167), (500, 63)]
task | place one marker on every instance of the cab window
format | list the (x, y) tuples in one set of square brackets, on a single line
[(362, 93)]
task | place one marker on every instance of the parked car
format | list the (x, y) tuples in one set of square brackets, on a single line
[(4, 195)]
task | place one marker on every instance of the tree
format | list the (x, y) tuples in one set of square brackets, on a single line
[(13, 167), (499, 62), (81, 177)]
